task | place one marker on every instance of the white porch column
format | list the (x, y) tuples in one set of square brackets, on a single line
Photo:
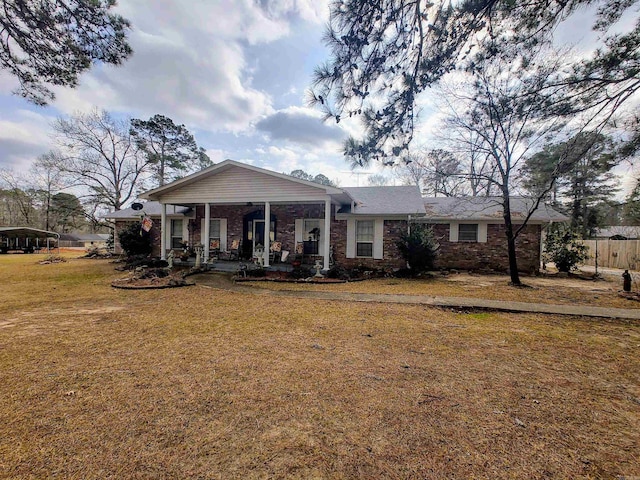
[(206, 233), (163, 232), (267, 230), (327, 232)]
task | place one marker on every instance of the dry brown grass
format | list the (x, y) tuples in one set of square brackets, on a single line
[(604, 293), (200, 383)]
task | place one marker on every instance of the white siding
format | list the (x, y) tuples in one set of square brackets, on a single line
[(240, 185)]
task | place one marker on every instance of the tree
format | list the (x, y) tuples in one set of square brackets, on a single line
[(45, 43), (47, 180), (632, 206), (170, 149), (564, 248), (19, 199), (378, 180), (586, 182), (436, 172), (66, 212), (319, 178), (99, 154), (418, 248), (499, 117), (384, 54)]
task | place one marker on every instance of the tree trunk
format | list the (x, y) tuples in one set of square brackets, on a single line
[(511, 242)]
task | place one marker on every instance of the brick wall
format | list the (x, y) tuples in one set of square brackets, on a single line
[(491, 255), (391, 256)]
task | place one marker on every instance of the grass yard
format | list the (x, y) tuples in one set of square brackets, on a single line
[(201, 383), (602, 292)]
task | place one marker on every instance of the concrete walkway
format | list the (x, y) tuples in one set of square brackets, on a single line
[(223, 281)]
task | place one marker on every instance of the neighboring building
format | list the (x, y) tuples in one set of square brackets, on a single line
[(26, 239), (84, 240), (618, 232), (232, 203)]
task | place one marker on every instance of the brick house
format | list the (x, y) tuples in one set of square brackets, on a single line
[(231, 204)]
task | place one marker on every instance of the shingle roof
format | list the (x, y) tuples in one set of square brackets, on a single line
[(487, 208), (403, 200), (153, 209)]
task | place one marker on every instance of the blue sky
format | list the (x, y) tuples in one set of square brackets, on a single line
[(234, 72)]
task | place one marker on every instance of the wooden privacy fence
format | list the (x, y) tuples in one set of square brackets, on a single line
[(623, 254)]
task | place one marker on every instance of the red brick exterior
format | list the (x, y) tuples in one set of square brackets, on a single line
[(491, 255)]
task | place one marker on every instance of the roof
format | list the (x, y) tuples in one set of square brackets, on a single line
[(85, 237), (401, 200), (27, 232), (488, 208), (627, 231), (224, 166), (152, 209)]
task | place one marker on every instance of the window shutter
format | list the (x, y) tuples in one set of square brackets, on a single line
[(482, 233), (378, 233), (351, 238), (453, 232), (223, 234)]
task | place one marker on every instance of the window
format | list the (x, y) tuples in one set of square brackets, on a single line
[(311, 236), (176, 233), (214, 234), (468, 232), (364, 238)]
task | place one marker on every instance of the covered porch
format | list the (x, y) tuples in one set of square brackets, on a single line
[(274, 234), (238, 210)]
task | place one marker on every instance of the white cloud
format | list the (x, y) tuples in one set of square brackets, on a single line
[(22, 139)]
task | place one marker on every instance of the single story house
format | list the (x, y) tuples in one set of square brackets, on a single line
[(232, 205), (84, 240)]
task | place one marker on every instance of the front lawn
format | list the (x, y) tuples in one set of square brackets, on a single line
[(202, 383), (543, 289)]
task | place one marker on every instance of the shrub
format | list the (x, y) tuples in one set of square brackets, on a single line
[(418, 248), (134, 240), (564, 248), (339, 272)]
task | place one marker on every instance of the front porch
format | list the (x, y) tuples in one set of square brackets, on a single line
[(276, 234)]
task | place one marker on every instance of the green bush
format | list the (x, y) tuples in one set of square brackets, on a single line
[(564, 247), (418, 248), (134, 240)]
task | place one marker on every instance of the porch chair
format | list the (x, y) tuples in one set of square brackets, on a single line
[(214, 249), (275, 252), (233, 253)]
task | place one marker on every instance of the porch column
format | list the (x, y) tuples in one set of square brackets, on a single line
[(267, 230), (327, 232), (206, 233), (163, 232)]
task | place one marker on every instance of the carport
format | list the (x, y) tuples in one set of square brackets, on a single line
[(26, 240)]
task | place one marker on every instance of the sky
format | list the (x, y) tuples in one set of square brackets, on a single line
[(234, 72)]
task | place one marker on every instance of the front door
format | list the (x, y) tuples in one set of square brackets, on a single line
[(258, 234)]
